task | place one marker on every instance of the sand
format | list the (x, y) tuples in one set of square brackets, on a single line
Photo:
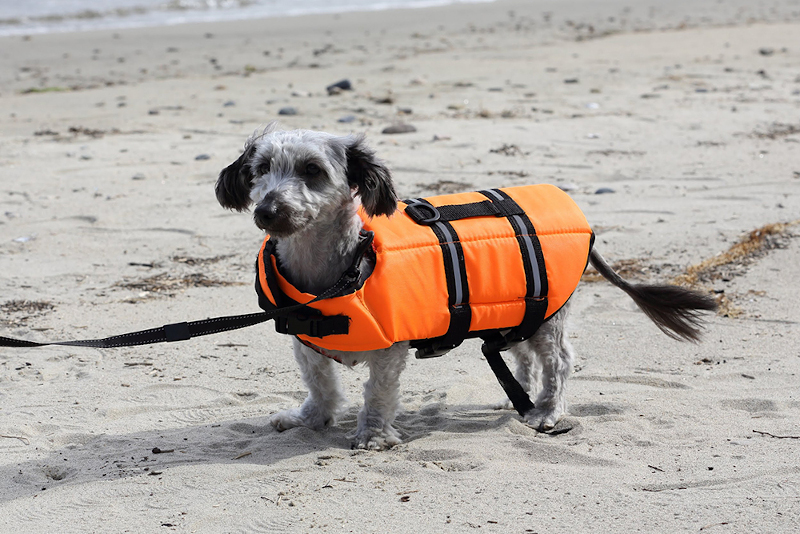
[(109, 149)]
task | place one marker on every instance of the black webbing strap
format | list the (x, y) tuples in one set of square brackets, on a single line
[(455, 270), (187, 330), (424, 213), (167, 333), (533, 262), (516, 394)]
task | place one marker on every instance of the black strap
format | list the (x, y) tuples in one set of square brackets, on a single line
[(533, 262), (516, 394), (187, 330), (166, 333), (424, 213), (455, 270)]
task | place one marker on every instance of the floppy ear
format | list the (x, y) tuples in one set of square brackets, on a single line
[(234, 183), (372, 178)]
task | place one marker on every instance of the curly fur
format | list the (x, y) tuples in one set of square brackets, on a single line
[(307, 187)]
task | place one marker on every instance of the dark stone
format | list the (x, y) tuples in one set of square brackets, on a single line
[(398, 129), (341, 85)]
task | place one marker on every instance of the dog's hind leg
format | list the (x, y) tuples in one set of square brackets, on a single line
[(325, 398), (381, 399), (555, 355)]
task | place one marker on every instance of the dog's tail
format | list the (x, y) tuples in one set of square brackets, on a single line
[(676, 311)]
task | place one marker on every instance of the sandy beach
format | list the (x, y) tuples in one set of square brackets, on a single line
[(676, 128)]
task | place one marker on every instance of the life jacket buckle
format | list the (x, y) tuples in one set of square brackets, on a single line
[(312, 325)]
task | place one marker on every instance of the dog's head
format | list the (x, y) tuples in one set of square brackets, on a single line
[(296, 177)]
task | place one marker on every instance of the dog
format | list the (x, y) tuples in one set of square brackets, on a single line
[(307, 188)]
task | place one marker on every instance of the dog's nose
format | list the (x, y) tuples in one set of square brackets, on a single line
[(265, 213)]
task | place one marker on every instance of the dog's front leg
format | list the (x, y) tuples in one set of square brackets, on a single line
[(325, 398), (381, 399)]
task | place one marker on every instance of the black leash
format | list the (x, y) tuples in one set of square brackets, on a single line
[(187, 330)]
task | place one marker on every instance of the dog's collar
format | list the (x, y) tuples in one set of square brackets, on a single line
[(319, 350)]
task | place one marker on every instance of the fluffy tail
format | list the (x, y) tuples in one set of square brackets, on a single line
[(676, 311)]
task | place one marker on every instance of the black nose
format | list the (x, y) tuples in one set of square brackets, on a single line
[(265, 213)]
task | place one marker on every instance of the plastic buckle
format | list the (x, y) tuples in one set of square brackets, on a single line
[(431, 352), (312, 325), (497, 342), (423, 213)]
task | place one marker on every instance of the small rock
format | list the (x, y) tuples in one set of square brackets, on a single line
[(288, 110), (338, 87), (405, 111), (571, 80), (347, 119), (153, 112), (229, 104), (202, 157), (138, 176), (399, 129), (766, 51), (567, 187), (604, 190)]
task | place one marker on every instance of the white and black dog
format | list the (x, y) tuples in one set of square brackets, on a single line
[(307, 188)]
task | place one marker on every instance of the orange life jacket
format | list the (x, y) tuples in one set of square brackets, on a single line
[(450, 267)]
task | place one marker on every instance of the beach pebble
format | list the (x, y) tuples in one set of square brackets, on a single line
[(399, 129), (405, 111), (229, 103), (347, 119), (604, 190), (138, 176), (567, 186), (338, 87), (766, 51), (202, 157), (571, 80), (288, 110)]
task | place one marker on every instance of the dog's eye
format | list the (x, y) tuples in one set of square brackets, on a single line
[(312, 169), (263, 167)]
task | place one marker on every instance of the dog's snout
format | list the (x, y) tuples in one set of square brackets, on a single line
[(265, 213)]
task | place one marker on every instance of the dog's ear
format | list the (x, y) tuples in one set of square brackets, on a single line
[(372, 179), (234, 182)]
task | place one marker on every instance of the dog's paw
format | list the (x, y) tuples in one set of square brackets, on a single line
[(295, 417), (375, 439), (543, 420)]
